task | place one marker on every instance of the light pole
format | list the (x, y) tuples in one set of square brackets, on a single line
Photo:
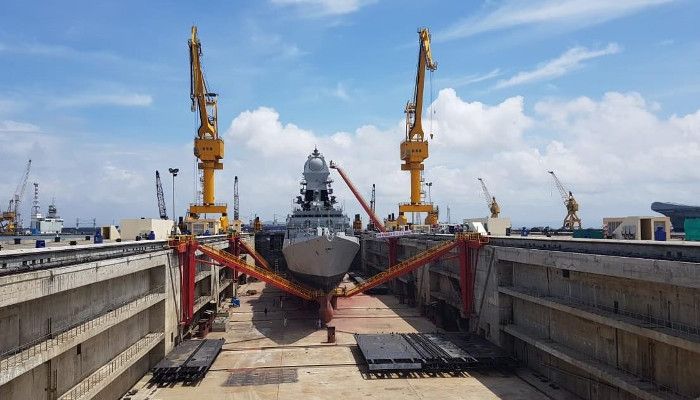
[(174, 172), (430, 198)]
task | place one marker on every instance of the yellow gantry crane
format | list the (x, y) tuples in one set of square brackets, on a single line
[(571, 221), (490, 200), (208, 147), (414, 148)]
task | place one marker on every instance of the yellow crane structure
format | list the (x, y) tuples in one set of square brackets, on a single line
[(490, 200), (414, 148), (208, 147), (572, 220)]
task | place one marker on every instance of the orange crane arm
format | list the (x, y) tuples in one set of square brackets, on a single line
[(377, 223)]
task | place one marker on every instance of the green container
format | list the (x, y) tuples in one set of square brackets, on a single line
[(692, 229), (588, 233)]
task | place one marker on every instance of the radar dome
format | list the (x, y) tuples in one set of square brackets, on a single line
[(315, 164)]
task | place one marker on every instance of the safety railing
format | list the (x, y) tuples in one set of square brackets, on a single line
[(11, 359), (113, 367)]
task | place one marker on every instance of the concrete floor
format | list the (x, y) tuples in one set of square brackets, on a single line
[(263, 359)]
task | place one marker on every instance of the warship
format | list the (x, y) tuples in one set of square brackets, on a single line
[(318, 244)]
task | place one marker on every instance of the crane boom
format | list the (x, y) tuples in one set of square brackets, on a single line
[(414, 109), (161, 198), (485, 190), (19, 195), (203, 101), (560, 187), (490, 200)]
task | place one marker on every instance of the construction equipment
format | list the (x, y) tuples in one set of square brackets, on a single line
[(372, 206), (257, 225), (236, 210), (11, 220), (490, 200), (369, 210), (414, 148), (357, 224), (236, 224), (208, 147), (571, 221), (161, 198)]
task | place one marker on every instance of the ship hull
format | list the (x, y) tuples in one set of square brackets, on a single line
[(319, 262)]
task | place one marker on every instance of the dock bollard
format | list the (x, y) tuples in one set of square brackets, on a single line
[(40, 244), (18, 240), (73, 242), (87, 237), (57, 239), (330, 330)]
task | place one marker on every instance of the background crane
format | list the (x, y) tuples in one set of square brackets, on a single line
[(236, 206), (571, 221), (11, 220), (208, 147), (414, 148), (490, 200), (372, 206), (161, 198)]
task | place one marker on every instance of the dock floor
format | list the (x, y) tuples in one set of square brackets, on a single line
[(264, 359)]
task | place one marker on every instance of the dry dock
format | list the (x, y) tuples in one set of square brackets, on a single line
[(264, 359), (590, 319)]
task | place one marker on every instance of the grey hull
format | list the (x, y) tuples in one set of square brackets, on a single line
[(319, 262)]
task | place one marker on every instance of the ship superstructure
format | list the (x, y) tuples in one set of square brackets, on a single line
[(318, 246)]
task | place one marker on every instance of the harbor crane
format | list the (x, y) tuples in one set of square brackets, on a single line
[(414, 148), (11, 220), (372, 206), (161, 198), (236, 210), (490, 200), (208, 146), (572, 220)]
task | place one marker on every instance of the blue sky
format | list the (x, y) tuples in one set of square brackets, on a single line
[(112, 78)]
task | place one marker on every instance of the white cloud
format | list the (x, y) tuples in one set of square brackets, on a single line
[(273, 45), (325, 7), (559, 66), (9, 126), (616, 153), (571, 14), (51, 50), (469, 79), (90, 100)]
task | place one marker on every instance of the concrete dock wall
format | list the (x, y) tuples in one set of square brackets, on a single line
[(600, 319), (74, 328)]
